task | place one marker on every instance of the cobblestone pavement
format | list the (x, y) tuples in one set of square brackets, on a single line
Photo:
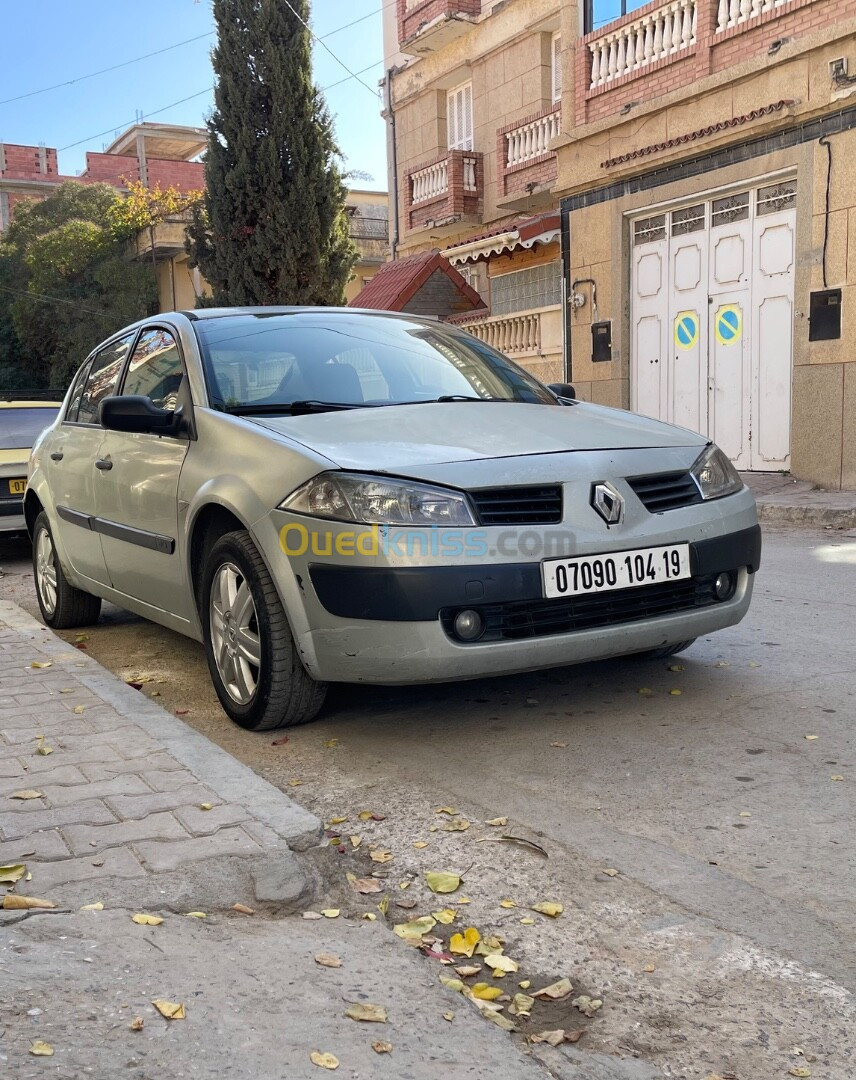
[(127, 792)]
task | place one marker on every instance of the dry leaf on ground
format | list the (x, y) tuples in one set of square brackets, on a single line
[(500, 964), (370, 1014), (414, 930), (837, 776), (548, 907), (466, 970), (170, 1010), (330, 912), (486, 992), (335, 821), (370, 915), (324, 1061), (21, 903), (80, 709), (610, 872), (811, 738), (420, 844), (41, 664), (41, 748), (137, 1024), (243, 909), (521, 1005), (459, 825), (195, 915), (97, 906), (39, 1048), (799, 1070), (464, 944), (27, 793), (507, 904), (450, 810), (557, 1037), (365, 885), (450, 1016), (445, 916), (441, 882), (146, 920), (312, 915), (12, 873), (355, 841), (588, 1006), (556, 991), (382, 1047), (497, 821), (380, 855), (329, 960), (452, 984)]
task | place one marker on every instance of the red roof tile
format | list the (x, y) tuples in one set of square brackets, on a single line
[(396, 283)]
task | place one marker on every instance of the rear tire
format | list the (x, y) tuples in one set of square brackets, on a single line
[(61, 604), (665, 651), (255, 668)]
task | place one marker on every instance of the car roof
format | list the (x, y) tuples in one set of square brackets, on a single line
[(196, 314)]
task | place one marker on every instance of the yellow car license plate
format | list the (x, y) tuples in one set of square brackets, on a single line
[(17, 487)]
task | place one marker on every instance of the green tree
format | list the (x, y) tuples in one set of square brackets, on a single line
[(272, 228), (67, 283)]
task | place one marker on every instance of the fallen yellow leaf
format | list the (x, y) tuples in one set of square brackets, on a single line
[(243, 909), (649, 968), (521, 1005), (464, 944), (404, 884), (450, 1016), (170, 1010), (489, 945), (461, 900), (559, 745), (370, 915), (329, 960), (28, 793), (588, 1006), (526, 921), (41, 748), (556, 991), (837, 776), (21, 903), (146, 920), (466, 970), (206, 806), (446, 916), (500, 1020), (335, 821), (41, 664), (676, 667), (98, 906), (676, 693), (799, 1070), (745, 813), (525, 984), (460, 825), (12, 873), (324, 1061), (645, 691), (380, 855), (365, 885), (38, 1048), (507, 904), (502, 965), (811, 738), (441, 882), (420, 843), (559, 1036), (382, 1047), (331, 744), (370, 1014), (548, 907), (364, 815), (450, 810), (330, 912), (383, 906), (452, 984), (195, 915), (79, 709), (136, 1024), (497, 821), (295, 783), (611, 872), (414, 929), (355, 841), (486, 992)]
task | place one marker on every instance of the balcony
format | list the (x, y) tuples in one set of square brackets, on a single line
[(660, 35), (425, 26), (529, 333), (527, 165), (445, 192)]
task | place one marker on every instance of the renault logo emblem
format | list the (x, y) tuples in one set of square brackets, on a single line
[(608, 502)]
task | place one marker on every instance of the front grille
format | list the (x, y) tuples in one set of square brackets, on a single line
[(540, 618), (519, 505), (665, 491)]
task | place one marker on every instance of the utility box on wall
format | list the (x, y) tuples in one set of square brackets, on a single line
[(824, 323), (601, 342)]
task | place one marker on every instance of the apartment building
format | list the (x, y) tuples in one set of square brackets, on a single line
[(473, 104), (693, 163)]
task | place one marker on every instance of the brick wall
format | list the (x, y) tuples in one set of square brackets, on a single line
[(713, 52), (425, 12), (118, 169), (27, 162), (455, 201), (537, 170)]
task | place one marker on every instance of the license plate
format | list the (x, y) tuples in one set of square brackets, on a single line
[(621, 570), (17, 487)]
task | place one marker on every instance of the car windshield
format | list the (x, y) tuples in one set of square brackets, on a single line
[(256, 362), (20, 427)]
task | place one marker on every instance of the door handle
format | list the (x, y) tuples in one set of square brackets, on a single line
[(57, 455), (104, 464)]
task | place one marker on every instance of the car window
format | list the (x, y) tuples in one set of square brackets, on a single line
[(155, 370), (76, 393), (103, 378), (20, 427)]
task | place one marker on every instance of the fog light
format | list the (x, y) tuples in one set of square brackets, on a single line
[(468, 625), (723, 587)]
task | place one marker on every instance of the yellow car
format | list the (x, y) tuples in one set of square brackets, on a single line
[(22, 419)]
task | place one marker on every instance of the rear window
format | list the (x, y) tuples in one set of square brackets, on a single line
[(19, 428)]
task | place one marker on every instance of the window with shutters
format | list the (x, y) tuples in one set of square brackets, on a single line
[(557, 67), (459, 117)]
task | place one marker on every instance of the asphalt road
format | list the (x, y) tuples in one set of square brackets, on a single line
[(732, 832)]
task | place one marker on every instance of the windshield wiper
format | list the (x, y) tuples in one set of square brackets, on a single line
[(291, 408)]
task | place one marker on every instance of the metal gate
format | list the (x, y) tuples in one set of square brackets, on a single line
[(712, 321)]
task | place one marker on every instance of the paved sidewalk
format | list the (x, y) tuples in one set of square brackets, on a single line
[(125, 790), (784, 500)]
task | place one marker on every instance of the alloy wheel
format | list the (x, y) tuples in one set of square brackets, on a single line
[(46, 579), (234, 631)]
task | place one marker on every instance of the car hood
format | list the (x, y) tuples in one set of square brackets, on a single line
[(399, 437)]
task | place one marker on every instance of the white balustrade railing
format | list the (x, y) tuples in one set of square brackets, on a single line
[(734, 12), (508, 333), (469, 174), (655, 36), (431, 181), (532, 139), (409, 5)]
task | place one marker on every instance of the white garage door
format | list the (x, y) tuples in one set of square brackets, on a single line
[(712, 321)]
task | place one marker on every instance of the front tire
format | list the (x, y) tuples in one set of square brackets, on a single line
[(61, 604), (254, 665)]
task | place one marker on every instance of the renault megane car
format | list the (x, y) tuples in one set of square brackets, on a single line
[(330, 495)]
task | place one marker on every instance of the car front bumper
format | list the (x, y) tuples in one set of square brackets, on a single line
[(385, 618)]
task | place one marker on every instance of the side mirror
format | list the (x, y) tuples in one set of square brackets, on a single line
[(138, 414), (562, 389)]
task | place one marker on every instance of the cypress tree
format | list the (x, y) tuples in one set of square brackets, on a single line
[(272, 228)]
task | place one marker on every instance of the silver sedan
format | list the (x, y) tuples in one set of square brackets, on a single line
[(324, 495)]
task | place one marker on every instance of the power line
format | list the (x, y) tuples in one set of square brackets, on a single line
[(137, 119), (104, 71), (342, 63), (54, 300)]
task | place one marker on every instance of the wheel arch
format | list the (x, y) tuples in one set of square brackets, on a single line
[(33, 506)]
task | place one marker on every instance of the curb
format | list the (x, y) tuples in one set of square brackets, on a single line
[(821, 515), (233, 781)]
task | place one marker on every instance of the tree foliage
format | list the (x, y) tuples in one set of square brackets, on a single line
[(143, 208), (271, 228), (66, 282)]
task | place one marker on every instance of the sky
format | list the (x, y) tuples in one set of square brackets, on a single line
[(49, 42)]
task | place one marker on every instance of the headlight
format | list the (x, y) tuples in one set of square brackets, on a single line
[(377, 500), (715, 475)]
